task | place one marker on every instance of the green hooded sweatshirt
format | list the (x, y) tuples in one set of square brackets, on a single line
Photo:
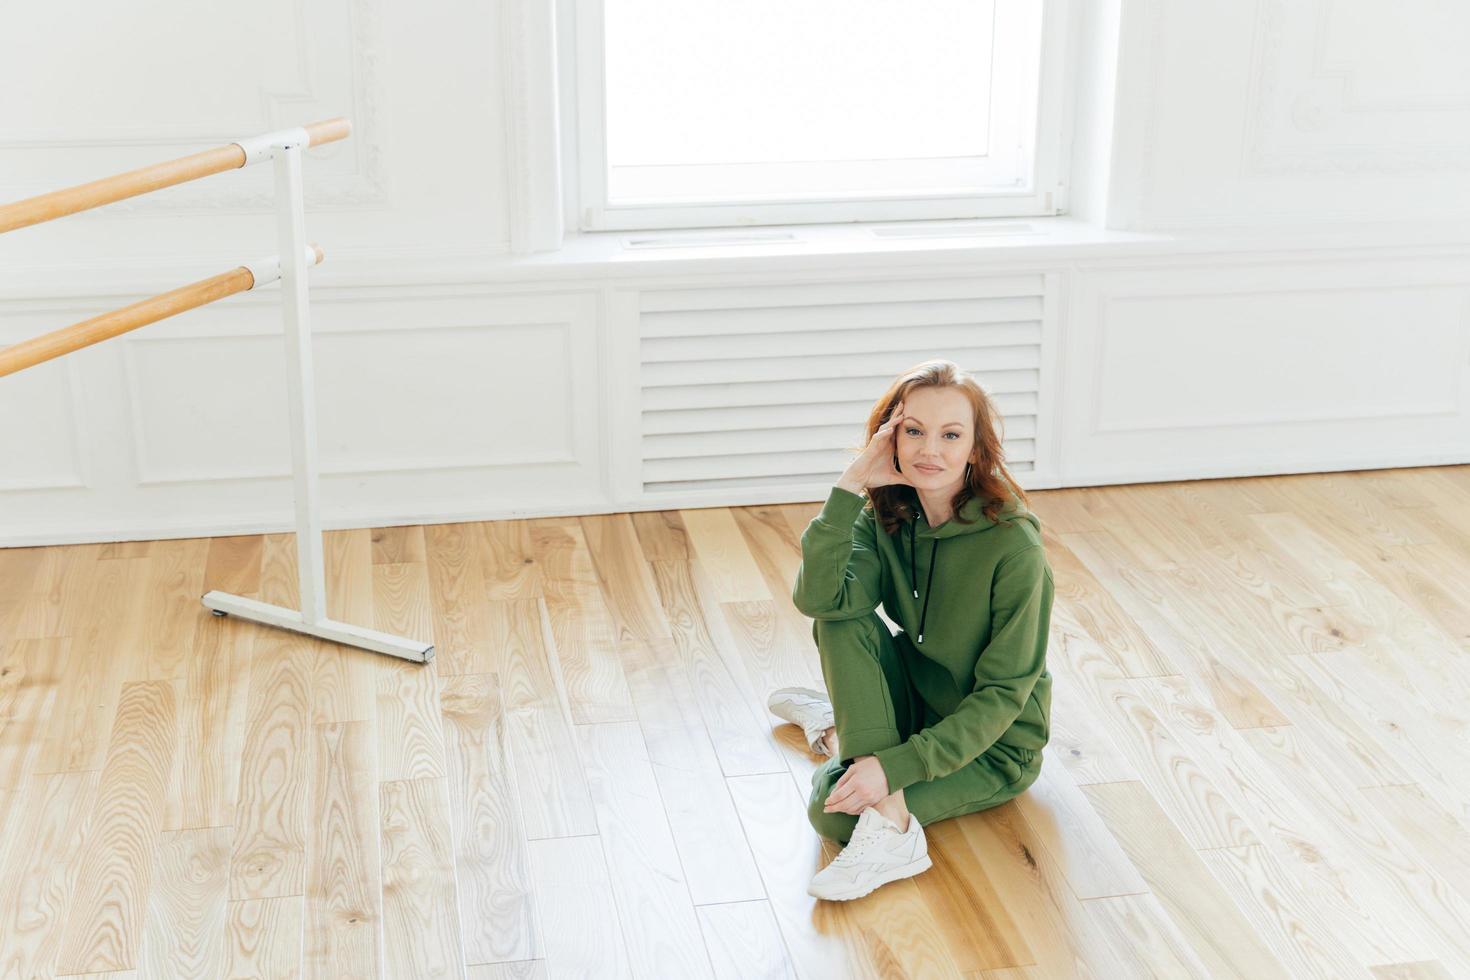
[(974, 632)]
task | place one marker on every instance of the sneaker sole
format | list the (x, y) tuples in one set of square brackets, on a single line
[(776, 696), (858, 891), (804, 692)]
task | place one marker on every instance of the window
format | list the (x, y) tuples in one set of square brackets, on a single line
[(695, 113)]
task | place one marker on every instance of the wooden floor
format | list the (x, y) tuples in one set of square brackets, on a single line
[(1260, 757)]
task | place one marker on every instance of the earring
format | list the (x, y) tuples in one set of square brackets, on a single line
[(967, 472)]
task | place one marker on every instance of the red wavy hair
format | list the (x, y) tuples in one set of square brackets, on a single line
[(989, 479)]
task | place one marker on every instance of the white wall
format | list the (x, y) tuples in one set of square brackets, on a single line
[(1265, 271)]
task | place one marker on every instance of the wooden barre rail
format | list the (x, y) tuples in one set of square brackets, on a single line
[(29, 353), (83, 197)]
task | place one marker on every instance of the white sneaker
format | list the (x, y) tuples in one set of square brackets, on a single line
[(805, 707), (877, 853)]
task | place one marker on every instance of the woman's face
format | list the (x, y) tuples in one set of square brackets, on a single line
[(938, 430)]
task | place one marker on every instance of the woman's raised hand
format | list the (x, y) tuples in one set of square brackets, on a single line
[(874, 466)]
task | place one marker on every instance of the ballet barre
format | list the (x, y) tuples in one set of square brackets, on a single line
[(295, 255)]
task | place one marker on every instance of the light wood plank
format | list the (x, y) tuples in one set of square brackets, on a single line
[(31, 678), (632, 599), (744, 941), (583, 639), (264, 937), (821, 937), (398, 545), (1412, 900), (421, 933), (46, 831), (268, 855), (105, 650), (212, 717), (1059, 814), (173, 614), (1125, 642), (722, 551), (583, 935), (49, 607), (280, 584), (647, 879), (706, 831), (457, 598), (125, 549), (1028, 882), (410, 735), (661, 535), (233, 565), (740, 734), (508, 564), (1079, 738), (1422, 970), (519, 970), (980, 929), (1187, 648), (552, 787), (1327, 867), (1265, 893), (1219, 934), (497, 911), (188, 906), (105, 920), (344, 686), (1145, 937), (344, 897), (1202, 810), (1441, 841)]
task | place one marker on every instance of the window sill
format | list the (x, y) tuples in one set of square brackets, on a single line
[(923, 248), (679, 251), (606, 255)]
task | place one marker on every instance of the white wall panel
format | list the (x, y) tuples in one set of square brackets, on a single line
[(1282, 113), (1184, 370), (461, 403), (41, 443), (105, 89)]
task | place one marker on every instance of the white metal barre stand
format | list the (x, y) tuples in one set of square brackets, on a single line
[(285, 148)]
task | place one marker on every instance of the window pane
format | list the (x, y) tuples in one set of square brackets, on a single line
[(759, 81)]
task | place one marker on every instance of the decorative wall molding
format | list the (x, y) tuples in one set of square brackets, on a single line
[(1309, 117), (1264, 366), (12, 479), (366, 186), (533, 125)]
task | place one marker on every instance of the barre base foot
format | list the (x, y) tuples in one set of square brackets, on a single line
[(221, 603)]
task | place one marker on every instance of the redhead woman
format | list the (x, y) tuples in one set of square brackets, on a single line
[(949, 715)]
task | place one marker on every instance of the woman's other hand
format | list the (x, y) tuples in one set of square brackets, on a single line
[(864, 784)]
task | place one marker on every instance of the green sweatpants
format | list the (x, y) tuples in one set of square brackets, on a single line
[(875, 706)]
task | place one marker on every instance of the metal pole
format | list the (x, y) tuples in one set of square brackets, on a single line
[(300, 388)]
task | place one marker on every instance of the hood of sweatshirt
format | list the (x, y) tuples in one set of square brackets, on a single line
[(973, 511)]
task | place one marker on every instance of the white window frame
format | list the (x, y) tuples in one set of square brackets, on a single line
[(584, 143)]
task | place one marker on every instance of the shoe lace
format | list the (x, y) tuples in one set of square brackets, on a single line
[(862, 840)]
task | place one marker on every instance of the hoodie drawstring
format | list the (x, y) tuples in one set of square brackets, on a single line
[(914, 573)]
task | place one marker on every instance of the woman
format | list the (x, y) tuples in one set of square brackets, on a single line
[(950, 715)]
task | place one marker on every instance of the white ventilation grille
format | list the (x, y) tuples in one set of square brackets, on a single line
[(770, 386)]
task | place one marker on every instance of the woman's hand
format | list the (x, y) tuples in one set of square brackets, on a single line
[(863, 785), (874, 466)]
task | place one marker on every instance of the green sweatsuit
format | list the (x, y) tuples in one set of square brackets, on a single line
[(957, 705)]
